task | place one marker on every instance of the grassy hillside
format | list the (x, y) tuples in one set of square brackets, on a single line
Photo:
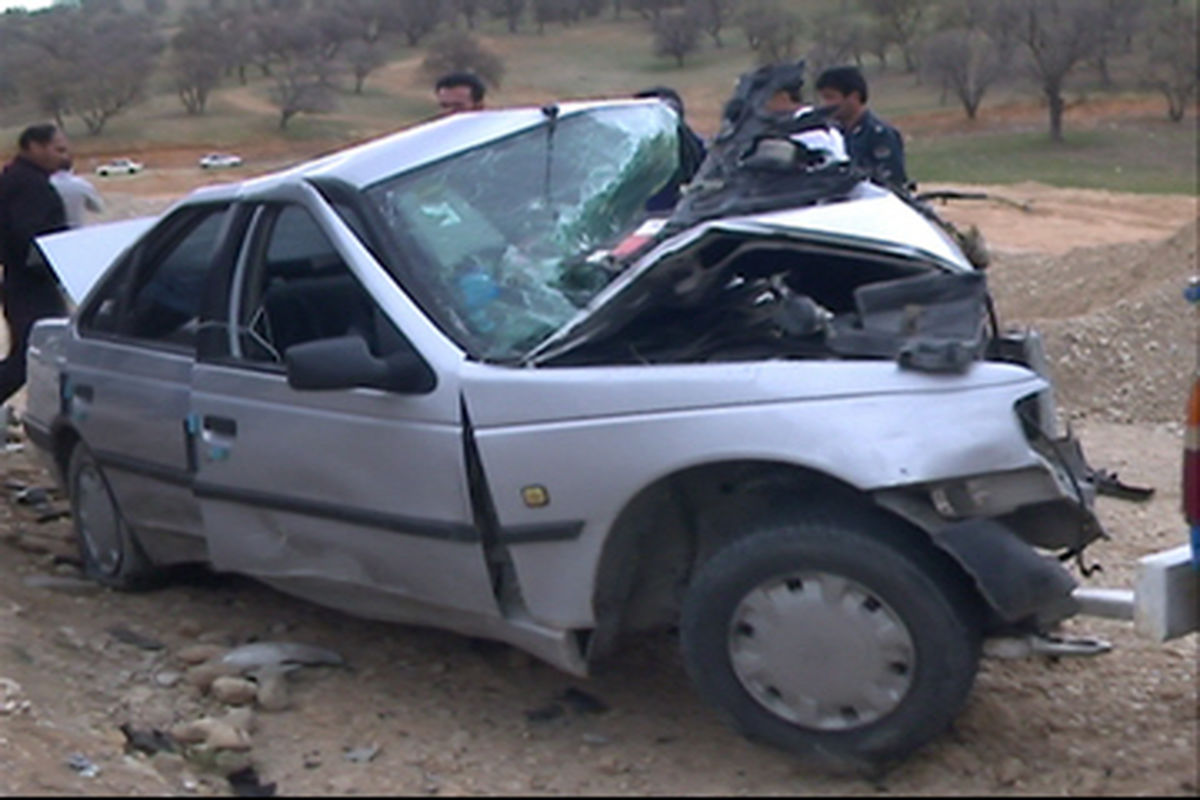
[(1125, 145)]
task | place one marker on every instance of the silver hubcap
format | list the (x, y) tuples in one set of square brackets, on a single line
[(97, 521), (821, 651)]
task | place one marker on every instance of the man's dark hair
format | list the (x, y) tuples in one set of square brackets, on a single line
[(467, 79), (664, 92), (42, 134), (844, 80)]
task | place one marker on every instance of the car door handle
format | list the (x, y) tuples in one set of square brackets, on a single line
[(221, 426)]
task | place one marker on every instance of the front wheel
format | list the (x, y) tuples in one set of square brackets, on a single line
[(833, 639), (110, 552)]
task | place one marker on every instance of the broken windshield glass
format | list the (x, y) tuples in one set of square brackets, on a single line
[(500, 235)]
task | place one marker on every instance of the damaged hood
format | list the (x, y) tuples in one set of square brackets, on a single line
[(871, 217), (870, 220), (81, 257)]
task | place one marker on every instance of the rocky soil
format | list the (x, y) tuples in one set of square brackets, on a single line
[(98, 688)]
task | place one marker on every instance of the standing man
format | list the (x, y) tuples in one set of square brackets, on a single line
[(29, 207), (873, 144), (691, 151), (78, 195), (459, 91)]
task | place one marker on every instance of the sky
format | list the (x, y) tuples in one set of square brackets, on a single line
[(29, 4)]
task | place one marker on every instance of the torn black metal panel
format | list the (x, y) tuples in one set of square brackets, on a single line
[(754, 164), (1015, 580), (932, 323)]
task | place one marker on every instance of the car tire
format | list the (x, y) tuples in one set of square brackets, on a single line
[(110, 552), (882, 641)]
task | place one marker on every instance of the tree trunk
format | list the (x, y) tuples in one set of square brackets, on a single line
[(358, 83), (1054, 96)]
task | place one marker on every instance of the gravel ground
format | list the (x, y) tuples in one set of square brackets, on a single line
[(418, 711)]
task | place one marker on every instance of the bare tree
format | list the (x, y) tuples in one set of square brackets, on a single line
[(545, 11), (416, 19), (1117, 20), (652, 10), (196, 63), (1169, 63), (457, 51), (676, 34), (1059, 35), (363, 58), (304, 85), (714, 16), (966, 61), (837, 39), (469, 9), (902, 20), (91, 62), (508, 10), (771, 30)]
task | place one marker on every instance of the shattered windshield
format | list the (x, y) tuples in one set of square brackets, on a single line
[(500, 236)]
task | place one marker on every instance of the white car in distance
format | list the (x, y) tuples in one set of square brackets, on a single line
[(220, 160), (119, 166)]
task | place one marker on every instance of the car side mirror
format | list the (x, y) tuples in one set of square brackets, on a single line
[(346, 362)]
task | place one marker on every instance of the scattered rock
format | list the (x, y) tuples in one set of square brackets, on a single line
[(246, 783), (361, 755), (58, 583), (150, 741), (1010, 771), (312, 760), (32, 496), (273, 694), (243, 718), (12, 698), (266, 654), (233, 691), (223, 736), (193, 732), (189, 628), (131, 637), (168, 678), (202, 675), (199, 653), (171, 766), (227, 762), (83, 765), (595, 739)]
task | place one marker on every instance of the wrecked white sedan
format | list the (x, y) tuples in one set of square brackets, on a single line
[(454, 377)]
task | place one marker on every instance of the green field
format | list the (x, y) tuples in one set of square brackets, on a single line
[(1149, 156)]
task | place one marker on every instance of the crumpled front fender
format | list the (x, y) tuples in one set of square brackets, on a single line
[(1016, 581)]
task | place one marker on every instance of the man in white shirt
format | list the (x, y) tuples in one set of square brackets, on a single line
[(78, 195)]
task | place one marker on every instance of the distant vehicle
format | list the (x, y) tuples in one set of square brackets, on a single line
[(220, 160), (120, 166)]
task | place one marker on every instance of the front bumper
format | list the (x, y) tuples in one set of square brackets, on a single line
[(1165, 601)]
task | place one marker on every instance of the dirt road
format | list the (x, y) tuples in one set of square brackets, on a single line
[(419, 711)]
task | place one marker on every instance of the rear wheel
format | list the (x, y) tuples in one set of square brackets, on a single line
[(835, 639), (110, 553)]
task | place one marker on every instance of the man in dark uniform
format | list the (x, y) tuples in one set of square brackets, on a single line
[(691, 151), (29, 207), (872, 143)]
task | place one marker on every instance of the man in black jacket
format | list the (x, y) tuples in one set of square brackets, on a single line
[(29, 207)]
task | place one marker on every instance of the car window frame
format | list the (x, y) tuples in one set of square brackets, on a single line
[(260, 218), (158, 242)]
